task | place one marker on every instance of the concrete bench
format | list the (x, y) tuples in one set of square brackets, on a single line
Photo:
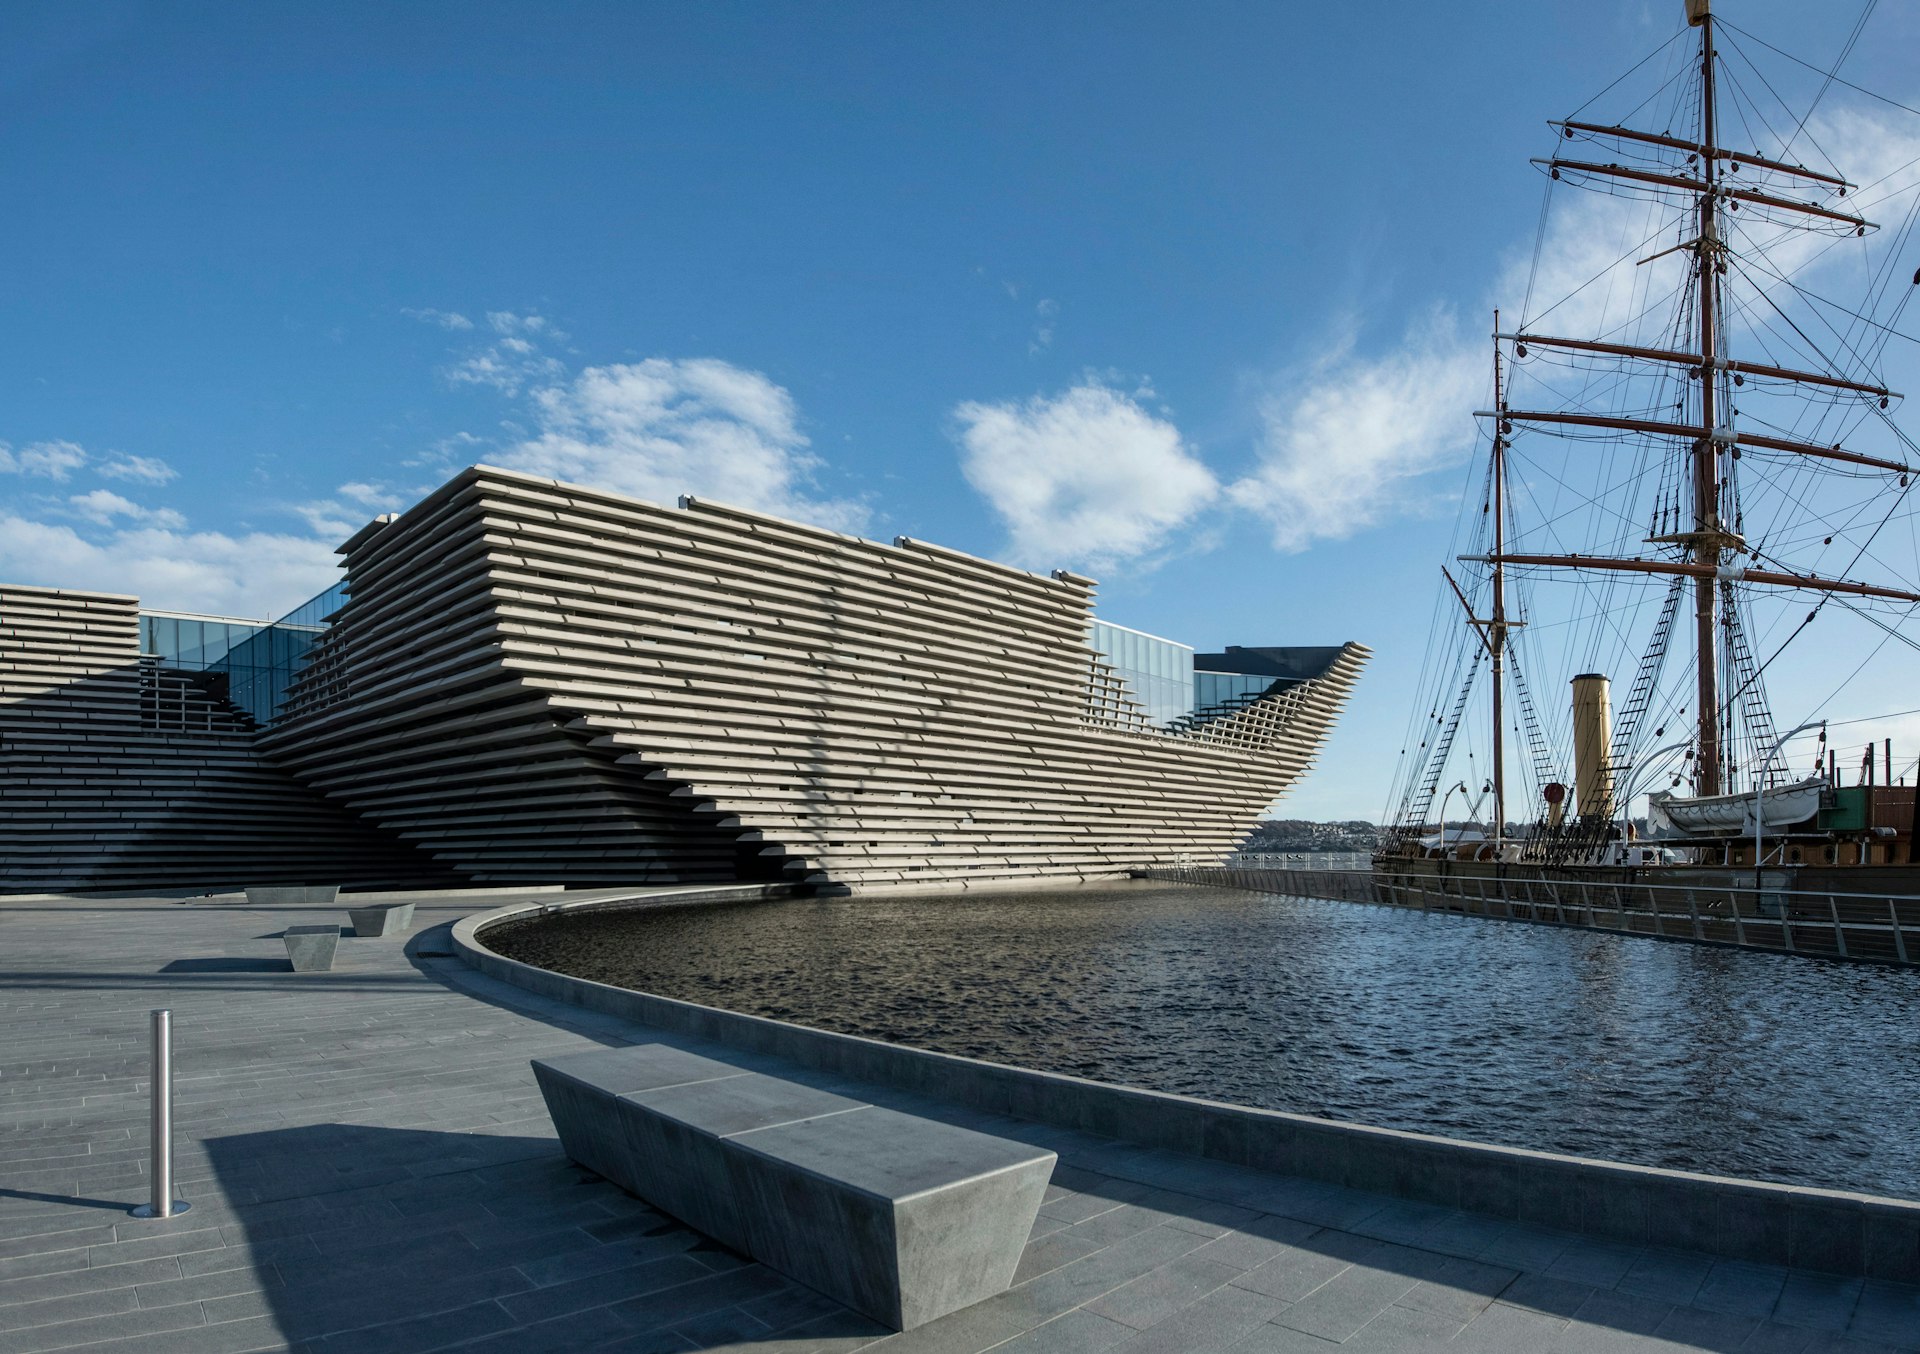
[(276, 895), (381, 919), (902, 1218), (311, 948)]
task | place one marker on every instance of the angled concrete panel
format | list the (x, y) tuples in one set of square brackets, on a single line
[(118, 773), (535, 680)]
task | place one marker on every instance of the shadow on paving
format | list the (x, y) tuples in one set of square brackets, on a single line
[(370, 1240), (1287, 1265), (174, 976), (226, 964), (1140, 1251)]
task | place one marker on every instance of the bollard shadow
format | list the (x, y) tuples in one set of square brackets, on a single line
[(64, 1200), (351, 1237)]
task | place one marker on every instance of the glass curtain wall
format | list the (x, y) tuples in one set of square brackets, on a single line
[(1158, 671), (259, 659), (1218, 688)]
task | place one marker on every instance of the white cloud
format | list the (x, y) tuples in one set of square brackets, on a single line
[(1349, 434), (327, 519), (654, 429), (513, 362), (1344, 442), (104, 541), (1086, 478), (446, 319), (148, 469), (506, 322), (103, 506), (508, 367), (374, 496), (663, 427), (1046, 314), (256, 575), (49, 460)]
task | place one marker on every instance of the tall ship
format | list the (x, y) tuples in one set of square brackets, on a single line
[(1675, 633)]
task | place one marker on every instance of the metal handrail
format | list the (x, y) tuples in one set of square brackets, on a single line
[(1825, 923)]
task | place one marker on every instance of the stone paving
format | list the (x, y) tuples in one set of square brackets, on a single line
[(372, 1171)]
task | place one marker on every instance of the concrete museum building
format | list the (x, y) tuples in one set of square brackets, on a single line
[(521, 681)]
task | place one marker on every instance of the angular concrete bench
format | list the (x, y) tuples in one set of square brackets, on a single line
[(311, 948), (381, 919), (901, 1218)]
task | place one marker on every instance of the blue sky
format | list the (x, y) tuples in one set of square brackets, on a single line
[(1173, 294)]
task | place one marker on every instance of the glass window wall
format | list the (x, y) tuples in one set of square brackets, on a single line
[(1218, 688), (1158, 671), (259, 659)]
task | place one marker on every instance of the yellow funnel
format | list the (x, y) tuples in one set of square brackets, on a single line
[(1592, 739)]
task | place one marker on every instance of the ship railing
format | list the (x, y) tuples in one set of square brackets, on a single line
[(1829, 924), (1294, 860)]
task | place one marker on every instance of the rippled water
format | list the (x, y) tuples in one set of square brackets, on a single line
[(1731, 1062)]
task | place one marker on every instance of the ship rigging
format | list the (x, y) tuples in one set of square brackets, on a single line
[(1723, 432)]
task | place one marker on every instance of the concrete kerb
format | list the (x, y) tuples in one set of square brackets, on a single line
[(1832, 1231)]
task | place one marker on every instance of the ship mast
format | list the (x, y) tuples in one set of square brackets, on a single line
[(1710, 547), (1492, 632), (1708, 537), (1497, 630)]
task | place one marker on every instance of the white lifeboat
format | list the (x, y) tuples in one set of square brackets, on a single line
[(1730, 815)]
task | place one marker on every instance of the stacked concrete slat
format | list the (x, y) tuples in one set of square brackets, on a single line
[(536, 680), (408, 713), (116, 773)]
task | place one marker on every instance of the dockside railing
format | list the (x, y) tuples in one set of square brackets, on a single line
[(1833, 925)]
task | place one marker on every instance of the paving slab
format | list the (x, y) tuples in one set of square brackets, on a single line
[(373, 1171)]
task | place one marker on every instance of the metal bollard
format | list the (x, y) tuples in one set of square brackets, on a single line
[(162, 1204)]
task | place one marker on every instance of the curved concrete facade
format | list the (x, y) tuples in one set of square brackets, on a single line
[(118, 774), (538, 681)]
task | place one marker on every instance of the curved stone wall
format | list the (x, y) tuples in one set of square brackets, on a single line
[(1743, 1219)]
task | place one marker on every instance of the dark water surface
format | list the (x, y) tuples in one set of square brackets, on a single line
[(1725, 1061)]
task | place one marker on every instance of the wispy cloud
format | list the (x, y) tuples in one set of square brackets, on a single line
[(1086, 478), (663, 427), (1346, 437), (348, 508), (1045, 315), (259, 574), (654, 429), (48, 460), (513, 360), (508, 367), (375, 497), (103, 506), (508, 322), (446, 319), (146, 469), (105, 540)]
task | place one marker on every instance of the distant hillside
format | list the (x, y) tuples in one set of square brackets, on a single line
[(1297, 834)]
